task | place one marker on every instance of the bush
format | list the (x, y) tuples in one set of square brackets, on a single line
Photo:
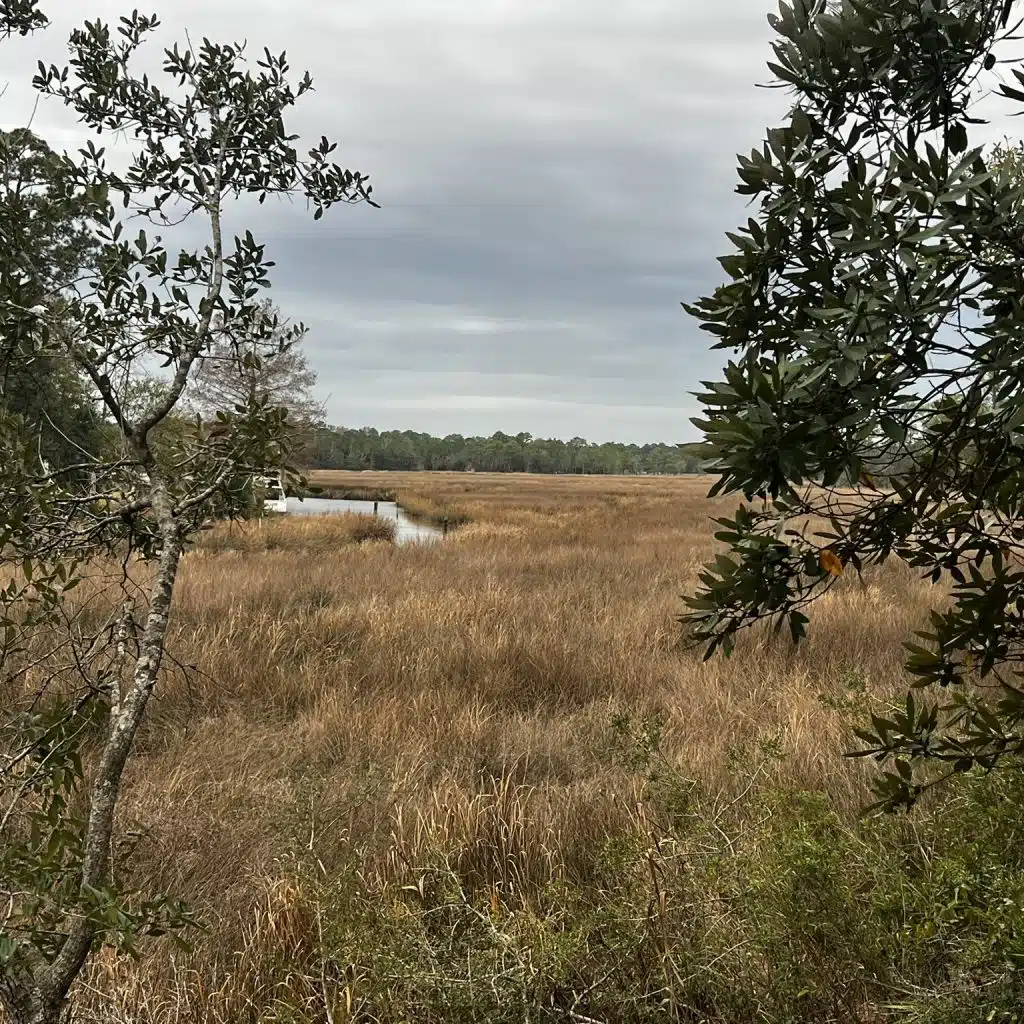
[(778, 910)]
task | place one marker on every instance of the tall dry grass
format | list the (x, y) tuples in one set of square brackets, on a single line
[(371, 708), (300, 534)]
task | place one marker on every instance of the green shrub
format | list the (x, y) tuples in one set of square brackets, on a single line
[(773, 908)]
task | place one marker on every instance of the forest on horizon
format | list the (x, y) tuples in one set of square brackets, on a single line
[(367, 448)]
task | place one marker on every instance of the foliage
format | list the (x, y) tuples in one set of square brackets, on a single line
[(47, 232), (46, 840), (46, 218), (56, 410), (875, 308), (20, 17), (367, 448), (80, 293)]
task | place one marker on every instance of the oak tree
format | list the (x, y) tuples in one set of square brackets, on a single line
[(76, 684), (874, 406)]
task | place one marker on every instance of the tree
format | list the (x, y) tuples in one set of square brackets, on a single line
[(57, 411), (48, 223), (215, 133), (873, 327), (233, 373), (577, 447), (365, 448), (48, 235)]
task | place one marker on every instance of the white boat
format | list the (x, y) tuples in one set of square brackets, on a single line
[(274, 499)]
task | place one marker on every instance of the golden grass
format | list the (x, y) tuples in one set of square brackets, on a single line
[(301, 534), (380, 702)]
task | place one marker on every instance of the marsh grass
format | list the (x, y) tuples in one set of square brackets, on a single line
[(352, 493), (300, 534), (484, 781)]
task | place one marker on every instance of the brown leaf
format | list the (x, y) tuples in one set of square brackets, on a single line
[(829, 561)]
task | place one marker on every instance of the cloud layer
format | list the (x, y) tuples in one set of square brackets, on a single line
[(555, 177)]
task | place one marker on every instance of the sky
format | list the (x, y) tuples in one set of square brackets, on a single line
[(555, 178)]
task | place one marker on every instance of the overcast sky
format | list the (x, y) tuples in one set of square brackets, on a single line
[(555, 177)]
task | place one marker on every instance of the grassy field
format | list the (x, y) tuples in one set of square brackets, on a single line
[(482, 780)]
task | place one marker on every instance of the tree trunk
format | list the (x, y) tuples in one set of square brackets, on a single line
[(23, 999), (37, 993)]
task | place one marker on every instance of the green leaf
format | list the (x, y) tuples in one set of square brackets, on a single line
[(956, 137), (860, 391)]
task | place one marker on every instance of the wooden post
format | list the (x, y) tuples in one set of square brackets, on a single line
[(444, 526)]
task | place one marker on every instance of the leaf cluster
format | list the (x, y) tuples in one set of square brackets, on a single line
[(874, 406)]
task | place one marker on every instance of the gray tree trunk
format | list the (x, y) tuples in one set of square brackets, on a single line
[(37, 992)]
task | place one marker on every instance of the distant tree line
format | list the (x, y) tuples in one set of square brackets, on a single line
[(367, 448)]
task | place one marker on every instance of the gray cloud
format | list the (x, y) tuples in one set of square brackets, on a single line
[(555, 178)]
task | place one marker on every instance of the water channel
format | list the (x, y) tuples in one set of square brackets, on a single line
[(407, 531)]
